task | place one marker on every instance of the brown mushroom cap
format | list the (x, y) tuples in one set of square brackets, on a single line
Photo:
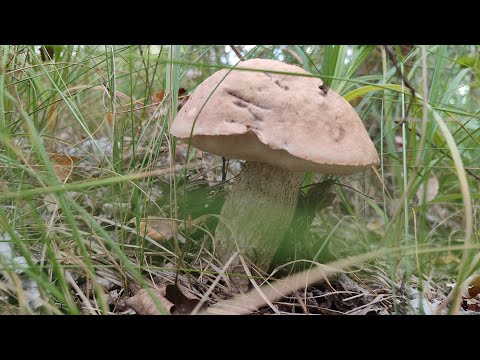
[(281, 119)]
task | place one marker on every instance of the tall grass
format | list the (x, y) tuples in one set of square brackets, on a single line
[(86, 157)]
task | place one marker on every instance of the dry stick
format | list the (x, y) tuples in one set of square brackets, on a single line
[(391, 55), (302, 305), (235, 50), (224, 169)]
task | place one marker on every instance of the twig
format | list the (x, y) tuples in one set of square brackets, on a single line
[(238, 53), (224, 169), (302, 305), (392, 57)]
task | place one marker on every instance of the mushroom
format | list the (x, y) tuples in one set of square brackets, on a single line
[(284, 125)]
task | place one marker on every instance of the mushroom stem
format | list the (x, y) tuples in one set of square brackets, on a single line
[(256, 215)]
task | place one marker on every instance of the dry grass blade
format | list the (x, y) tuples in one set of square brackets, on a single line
[(80, 293), (214, 284), (257, 288)]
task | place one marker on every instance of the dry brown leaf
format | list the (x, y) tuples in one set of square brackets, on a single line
[(63, 165), (431, 191), (158, 97), (143, 304), (175, 299), (472, 306), (184, 301), (158, 229), (471, 287)]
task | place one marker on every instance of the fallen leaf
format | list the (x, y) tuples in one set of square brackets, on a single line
[(143, 303), (473, 307), (158, 97), (157, 229), (471, 287), (63, 165), (432, 187), (184, 303), (172, 297)]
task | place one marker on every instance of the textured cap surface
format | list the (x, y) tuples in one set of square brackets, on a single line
[(291, 121)]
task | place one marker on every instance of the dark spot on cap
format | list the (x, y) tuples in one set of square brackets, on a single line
[(281, 86), (324, 89), (240, 104), (337, 132)]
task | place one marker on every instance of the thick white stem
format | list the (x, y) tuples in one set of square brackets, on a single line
[(257, 213)]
